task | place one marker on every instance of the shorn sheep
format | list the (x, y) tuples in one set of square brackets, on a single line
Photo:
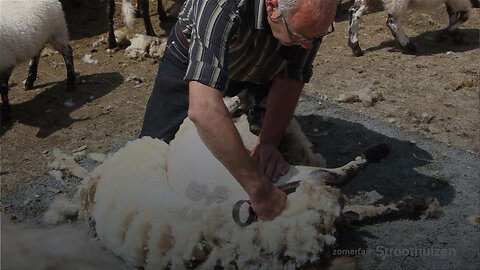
[(26, 26), (128, 12), (458, 13), (161, 206)]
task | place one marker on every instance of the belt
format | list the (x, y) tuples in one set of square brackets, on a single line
[(181, 35)]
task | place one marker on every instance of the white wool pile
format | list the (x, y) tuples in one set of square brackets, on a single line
[(67, 164), (160, 206), (61, 208), (143, 46), (60, 247)]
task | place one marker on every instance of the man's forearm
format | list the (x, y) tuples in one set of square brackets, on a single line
[(281, 103), (217, 131)]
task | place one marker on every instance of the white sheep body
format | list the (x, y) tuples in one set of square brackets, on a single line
[(27, 26), (158, 205)]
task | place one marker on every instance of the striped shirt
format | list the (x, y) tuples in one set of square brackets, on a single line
[(232, 40)]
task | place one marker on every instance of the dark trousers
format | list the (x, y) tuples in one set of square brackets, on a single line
[(167, 106)]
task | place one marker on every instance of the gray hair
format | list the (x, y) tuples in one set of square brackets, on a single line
[(287, 8)]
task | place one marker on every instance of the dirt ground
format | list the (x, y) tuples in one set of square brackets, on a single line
[(434, 93)]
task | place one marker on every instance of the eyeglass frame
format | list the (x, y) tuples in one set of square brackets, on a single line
[(299, 41)]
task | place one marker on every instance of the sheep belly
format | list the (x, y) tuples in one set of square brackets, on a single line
[(202, 175), (149, 214)]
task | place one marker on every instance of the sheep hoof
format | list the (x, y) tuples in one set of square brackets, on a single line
[(28, 85), (137, 14), (357, 51), (112, 43)]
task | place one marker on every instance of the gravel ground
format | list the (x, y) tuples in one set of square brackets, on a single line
[(416, 166)]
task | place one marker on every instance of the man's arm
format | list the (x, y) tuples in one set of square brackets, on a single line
[(216, 129), (281, 102)]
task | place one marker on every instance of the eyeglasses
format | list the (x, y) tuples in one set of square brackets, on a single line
[(298, 41)]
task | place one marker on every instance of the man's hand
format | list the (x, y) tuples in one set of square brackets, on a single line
[(269, 161), (269, 203)]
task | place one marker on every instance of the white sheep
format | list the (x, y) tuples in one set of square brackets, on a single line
[(26, 26), (458, 12), (170, 206)]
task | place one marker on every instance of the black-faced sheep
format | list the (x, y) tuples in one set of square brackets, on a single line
[(458, 13), (128, 12), (26, 26), (164, 206)]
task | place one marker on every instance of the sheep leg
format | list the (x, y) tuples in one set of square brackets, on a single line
[(112, 43), (413, 207), (32, 72), (68, 57), (144, 11), (455, 19), (342, 175), (6, 110), (355, 12), (395, 25), (162, 14), (336, 176)]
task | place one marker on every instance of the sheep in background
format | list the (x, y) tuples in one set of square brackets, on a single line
[(170, 206), (458, 12), (128, 11), (26, 26)]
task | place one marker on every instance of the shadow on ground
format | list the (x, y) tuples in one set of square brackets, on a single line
[(434, 42), (394, 178), (48, 111)]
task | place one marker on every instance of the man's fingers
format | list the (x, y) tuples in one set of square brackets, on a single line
[(286, 168)]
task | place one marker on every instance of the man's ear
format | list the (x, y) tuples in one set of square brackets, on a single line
[(272, 7)]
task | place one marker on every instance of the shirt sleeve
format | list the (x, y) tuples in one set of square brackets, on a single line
[(300, 61), (215, 24)]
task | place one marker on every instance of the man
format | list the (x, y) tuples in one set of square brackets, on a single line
[(217, 44)]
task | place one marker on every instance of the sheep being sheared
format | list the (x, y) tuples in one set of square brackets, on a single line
[(458, 13), (26, 26), (170, 206)]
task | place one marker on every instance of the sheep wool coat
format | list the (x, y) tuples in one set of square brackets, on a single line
[(170, 206)]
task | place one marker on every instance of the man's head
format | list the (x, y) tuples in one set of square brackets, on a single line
[(298, 22)]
